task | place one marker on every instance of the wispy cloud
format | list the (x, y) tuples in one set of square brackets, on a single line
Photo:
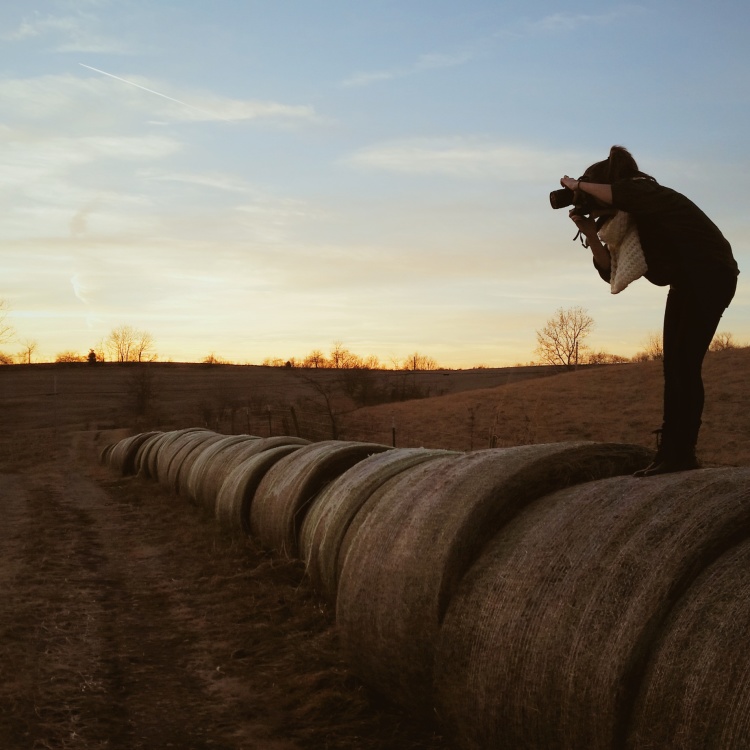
[(572, 21), (211, 115), (219, 108), (66, 33), (106, 97), (432, 61), (463, 158)]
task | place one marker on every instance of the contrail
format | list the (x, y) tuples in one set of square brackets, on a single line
[(151, 91)]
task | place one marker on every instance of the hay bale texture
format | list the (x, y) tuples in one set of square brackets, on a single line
[(184, 452), (546, 642), (216, 451), (238, 490), (162, 450), (143, 451), (696, 693), (105, 453), (335, 508), (286, 491), (208, 476), (422, 533), (123, 453)]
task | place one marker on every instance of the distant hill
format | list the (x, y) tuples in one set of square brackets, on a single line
[(610, 403), (460, 409)]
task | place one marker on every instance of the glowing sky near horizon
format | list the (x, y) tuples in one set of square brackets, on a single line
[(262, 179)]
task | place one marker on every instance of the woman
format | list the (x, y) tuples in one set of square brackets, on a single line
[(684, 249)]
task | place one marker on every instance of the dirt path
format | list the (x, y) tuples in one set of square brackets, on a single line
[(128, 621)]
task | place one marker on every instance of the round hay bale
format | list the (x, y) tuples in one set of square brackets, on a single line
[(183, 458), (123, 453), (334, 509), (105, 453), (143, 451), (546, 641), (206, 457), (159, 451), (208, 479), (238, 490), (150, 452), (283, 496), (696, 693), (405, 560)]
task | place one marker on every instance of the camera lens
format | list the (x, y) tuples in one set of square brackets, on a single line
[(561, 198)]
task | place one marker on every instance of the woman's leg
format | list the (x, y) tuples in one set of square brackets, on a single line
[(691, 318)]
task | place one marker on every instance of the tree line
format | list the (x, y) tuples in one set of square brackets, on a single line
[(561, 342), (123, 344), (341, 358)]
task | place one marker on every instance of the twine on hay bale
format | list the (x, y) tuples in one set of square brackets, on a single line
[(421, 535), (333, 510), (160, 453), (208, 480), (238, 490), (546, 641), (122, 456), (183, 457), (696, 692), (283, 496)]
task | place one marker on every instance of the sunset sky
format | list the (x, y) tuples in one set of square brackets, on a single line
[(261, 178)]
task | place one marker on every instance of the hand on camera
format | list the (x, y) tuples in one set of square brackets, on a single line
[(569, 182), (586, 225)]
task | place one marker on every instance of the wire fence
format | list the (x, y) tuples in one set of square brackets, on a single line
[(226, 401), (476, 431)]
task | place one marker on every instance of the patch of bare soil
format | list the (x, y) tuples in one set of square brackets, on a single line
[(129, 621)]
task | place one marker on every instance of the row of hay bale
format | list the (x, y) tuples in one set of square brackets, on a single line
[(533, 597)]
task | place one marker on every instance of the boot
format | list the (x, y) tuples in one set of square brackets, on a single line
[(670, 457)]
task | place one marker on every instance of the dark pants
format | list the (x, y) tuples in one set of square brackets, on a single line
[(694, 309)]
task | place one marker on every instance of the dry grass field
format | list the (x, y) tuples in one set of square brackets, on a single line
[(129, 621)]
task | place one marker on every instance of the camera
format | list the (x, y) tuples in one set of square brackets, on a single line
[(566, 197)]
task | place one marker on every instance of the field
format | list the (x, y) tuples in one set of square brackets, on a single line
[(129, 621)]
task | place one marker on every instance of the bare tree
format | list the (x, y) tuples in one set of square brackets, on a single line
[(213, 359), (6, 329), (341, 358), (653, 349), (605, 358), (29, 348), (120, 342), (143, 347), (561, 341), (419, 361), (314, 360), (69, 356), (722, 340), (126, 344)]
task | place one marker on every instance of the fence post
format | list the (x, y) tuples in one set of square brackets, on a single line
[(393, 432), (270, 429)]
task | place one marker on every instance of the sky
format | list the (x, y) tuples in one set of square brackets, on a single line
[(259, 179)]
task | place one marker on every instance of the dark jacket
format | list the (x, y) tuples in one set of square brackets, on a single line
[(680, 243)]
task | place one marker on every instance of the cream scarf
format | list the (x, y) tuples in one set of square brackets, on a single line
[(620, 234)]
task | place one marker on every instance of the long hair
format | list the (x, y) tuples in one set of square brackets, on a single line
[(620, 165)]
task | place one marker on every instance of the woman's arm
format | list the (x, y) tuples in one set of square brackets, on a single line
[(600, 191)]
